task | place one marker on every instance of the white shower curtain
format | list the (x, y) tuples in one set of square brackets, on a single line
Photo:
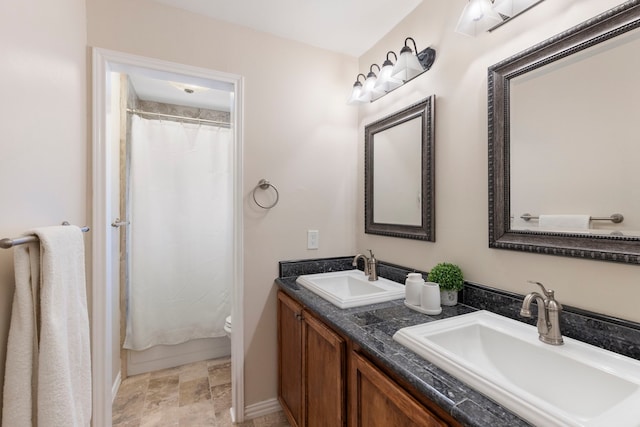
[(181, 232)]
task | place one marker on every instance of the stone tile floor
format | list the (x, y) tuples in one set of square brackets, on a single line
[(197, 394)]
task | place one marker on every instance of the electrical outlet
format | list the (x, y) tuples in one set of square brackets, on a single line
[(313, 239)]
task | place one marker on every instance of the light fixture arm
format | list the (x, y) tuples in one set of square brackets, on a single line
[(358, 83), (406, 47), (371, 73), (388, 61)]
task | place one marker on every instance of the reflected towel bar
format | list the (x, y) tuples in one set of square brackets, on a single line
[(9, 243), (615, 218)]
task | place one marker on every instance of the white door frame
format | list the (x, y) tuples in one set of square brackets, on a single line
[(105, 61)]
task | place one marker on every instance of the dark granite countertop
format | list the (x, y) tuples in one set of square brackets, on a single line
[(372, 328)]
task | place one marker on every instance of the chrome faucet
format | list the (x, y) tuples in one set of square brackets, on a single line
[(370, 265), (548, 314)]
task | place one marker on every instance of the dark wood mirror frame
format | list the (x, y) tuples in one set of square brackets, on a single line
[(612, 23), (424, 109)]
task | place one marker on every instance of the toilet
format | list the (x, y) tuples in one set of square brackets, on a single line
[(227, 326)]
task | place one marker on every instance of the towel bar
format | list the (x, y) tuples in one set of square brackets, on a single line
[(615, 218), (263, 184), (9, 243)]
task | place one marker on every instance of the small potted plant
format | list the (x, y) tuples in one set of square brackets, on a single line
[(449, 277)]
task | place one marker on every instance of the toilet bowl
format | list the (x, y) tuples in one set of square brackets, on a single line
[(227, 326)]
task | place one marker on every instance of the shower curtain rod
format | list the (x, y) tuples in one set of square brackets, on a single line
[(134, 111)]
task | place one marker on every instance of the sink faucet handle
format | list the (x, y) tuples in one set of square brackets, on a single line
[(548, 293), (373, 267)]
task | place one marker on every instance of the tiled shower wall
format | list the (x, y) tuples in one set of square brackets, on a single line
[(182, 111)]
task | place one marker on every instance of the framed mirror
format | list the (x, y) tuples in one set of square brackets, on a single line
[(564, 145), (399, 173)]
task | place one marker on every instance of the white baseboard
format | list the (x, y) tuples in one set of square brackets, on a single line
[(260, 409), (116, 386)]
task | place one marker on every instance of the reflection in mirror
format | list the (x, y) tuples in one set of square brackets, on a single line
[(399, 174), (573, 141), (397, 181), (563, 140)]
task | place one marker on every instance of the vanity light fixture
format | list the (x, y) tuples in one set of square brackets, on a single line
[(356, 92), (479, 16), (369, 91), (511, 8), (407, 67), (386, 82)]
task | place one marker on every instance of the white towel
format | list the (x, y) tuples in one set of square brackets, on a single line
[(20, 380), (63, 379), (564, 222)]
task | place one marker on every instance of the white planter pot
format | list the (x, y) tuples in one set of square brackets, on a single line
[(448, 297)]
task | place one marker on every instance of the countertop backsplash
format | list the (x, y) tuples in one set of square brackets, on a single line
[(617, 335)]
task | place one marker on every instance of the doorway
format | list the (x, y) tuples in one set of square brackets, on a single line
[(106, 244), (176, 219)]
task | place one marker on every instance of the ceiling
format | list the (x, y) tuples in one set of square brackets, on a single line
[(170, 90), (346, 26)]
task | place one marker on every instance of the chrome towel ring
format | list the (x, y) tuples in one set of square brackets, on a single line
[(263, 184)]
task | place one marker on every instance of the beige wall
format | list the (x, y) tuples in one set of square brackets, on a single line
[(299, 134), (303, 138), (459, 80), (43, 116)]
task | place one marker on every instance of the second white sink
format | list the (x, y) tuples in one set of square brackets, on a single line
[(575, 384), (351, 288)]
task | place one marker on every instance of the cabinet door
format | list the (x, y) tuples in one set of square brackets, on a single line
[(377, 401), (290, 391), (324, 368)]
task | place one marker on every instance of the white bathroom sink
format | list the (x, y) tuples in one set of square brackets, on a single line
[(351, 288), (575, 384)]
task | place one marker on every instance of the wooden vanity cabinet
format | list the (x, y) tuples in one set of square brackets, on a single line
[(290, 391), (313, 381), (377, 401), (311, 368), (324, 375)]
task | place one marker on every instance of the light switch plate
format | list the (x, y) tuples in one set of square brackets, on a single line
[(313, 239)]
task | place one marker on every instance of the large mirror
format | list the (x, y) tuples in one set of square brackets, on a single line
[(399, 173), (564, 143)]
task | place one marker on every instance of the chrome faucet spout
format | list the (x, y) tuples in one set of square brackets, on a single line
[(525, 311), (366, 263), (548, 314)]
